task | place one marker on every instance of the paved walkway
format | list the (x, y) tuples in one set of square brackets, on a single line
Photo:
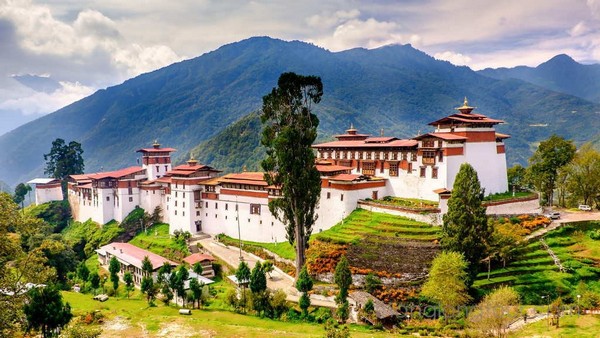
[(278, 280)]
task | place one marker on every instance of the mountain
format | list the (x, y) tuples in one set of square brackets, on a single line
[(561, 74), (396, 87)]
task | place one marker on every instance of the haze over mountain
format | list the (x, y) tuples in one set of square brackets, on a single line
[(561, 74), (396, 87)]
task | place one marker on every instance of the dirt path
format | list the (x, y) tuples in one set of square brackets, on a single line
[(278, 280)]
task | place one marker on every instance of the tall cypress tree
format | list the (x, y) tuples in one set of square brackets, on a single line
[(290, 128), (466, 228)]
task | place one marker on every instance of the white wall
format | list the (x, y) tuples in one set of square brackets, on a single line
[(44, 195)]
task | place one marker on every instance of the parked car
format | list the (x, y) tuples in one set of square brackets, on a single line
[(553, 215), (585, 207)]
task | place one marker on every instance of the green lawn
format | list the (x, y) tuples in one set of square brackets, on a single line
[(406, 202), (282, 249), (157, 240), (508, 195), (133, 318), (570, 326)]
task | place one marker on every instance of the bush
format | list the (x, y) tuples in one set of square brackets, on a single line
[(372, 283), (321, 315), (595, 235)]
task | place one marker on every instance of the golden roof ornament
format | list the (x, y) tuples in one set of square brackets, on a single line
[(465, 109), (156, 144), (192, 162), (351, 130)]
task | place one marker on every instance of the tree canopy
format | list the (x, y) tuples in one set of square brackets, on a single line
[(64, 159), (582, 175), (20, 192), (466, 229), (551, 154), (498, 309), (446, 284), (290, 128), (46, 311)]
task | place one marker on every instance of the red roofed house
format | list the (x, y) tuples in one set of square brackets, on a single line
[(130, 257), (205, 260)]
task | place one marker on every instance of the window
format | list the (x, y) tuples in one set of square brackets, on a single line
[(226, 206), (368, 168), (206, 205), (175, 203), (183, 213), (429, 157), (441, 157), (368, 155), (393, 156), (434, 172), (255, 209), (216, 205), (197, 213), (413, 156), (176, 194), (184, 204), (130, 191), (184, 194), (210, 188), (175, 212), (130, 199), (428, 143), (236, 207), (328, 195), (107, 198), (423, 169), (393, 169), (166, 168), (342, 197)]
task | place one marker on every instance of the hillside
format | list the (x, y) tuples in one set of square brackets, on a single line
[(396, 87), (561, 74)]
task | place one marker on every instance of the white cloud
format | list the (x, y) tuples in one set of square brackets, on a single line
[(43, 103), (89, 34), (594, 6), (454, 58), (369, 33), (328, 20)]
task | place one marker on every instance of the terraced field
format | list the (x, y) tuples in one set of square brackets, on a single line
[(385, 244), (362, 224), (534, 273)]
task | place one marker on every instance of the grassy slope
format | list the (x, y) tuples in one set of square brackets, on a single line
[(570, 326), (534, 273), (207, 322), (157, 240)]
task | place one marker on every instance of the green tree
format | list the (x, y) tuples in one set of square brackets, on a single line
[(466, 229), (372, 282), (582, 173), (196, 289), (516, 177), (128, 279), (242, 274), (446, 284), (290, 128), (268, 267), (197, 268), (304, 284), (114, 267), (182, 275), (46, 311), (343, 278), (498, 309), (20, 192), (94, 280), (258, 279), (550, 155), (147, 286), (83, 272), (19, 264), (64, 160)]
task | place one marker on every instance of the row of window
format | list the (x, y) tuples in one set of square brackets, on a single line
[(368, 155), (254, 208), (341, 196)]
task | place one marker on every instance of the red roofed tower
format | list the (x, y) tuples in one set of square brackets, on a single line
[(156, 160)]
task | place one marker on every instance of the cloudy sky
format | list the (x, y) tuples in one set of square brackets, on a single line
[(79, 46)]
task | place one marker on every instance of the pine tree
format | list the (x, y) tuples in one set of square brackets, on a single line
[(258, 280), (114, 267), (466, 228), (304, 284), (290, 128), (46, 311)]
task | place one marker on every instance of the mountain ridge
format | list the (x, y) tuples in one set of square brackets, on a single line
[(395, 87)]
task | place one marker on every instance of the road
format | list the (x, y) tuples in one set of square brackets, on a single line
[(565, 217), (278, 280)]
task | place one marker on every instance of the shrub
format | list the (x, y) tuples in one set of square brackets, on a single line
[(595, 235), (372, 283)]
